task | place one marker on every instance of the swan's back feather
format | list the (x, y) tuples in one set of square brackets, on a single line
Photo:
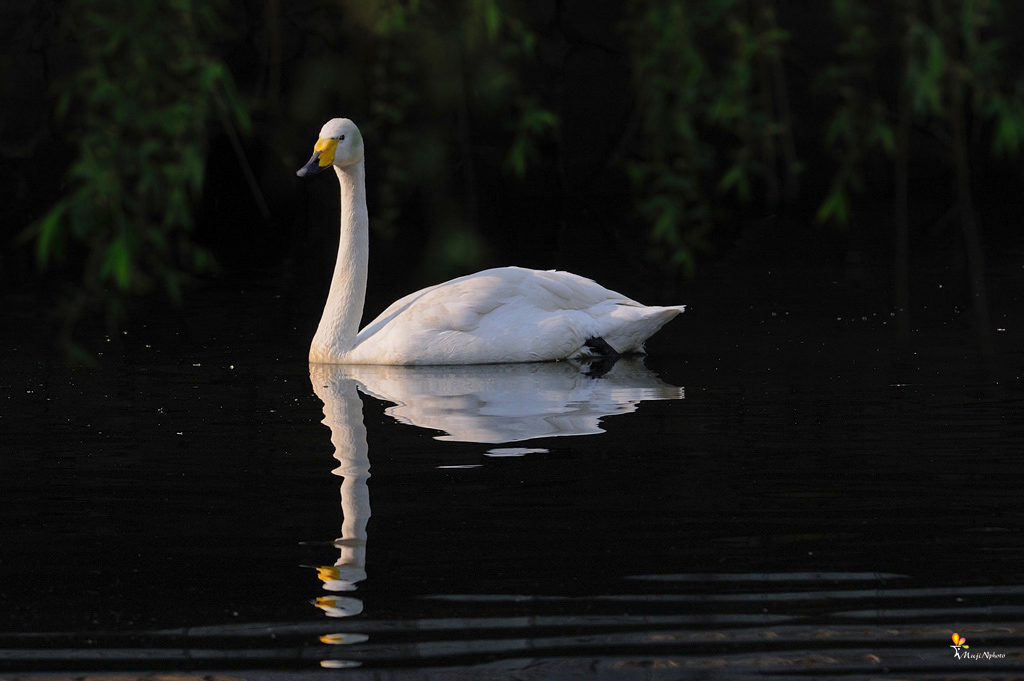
[(507, 314), (554, 290)]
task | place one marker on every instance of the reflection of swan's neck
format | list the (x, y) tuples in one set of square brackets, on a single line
[(344, 309), (354, 469), (349, 437), (343, 414)]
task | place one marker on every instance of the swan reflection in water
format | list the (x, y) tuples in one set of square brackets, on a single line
[(487, 404), (499, 403)]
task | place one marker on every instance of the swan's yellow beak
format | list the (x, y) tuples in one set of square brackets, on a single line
[(323, 157)]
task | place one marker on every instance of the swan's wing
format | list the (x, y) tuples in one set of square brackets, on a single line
[(554, 290), (461, 304), (503, 315), (511, 294), (394, 310)]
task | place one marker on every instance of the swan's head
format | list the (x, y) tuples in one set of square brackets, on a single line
[(340, 144)]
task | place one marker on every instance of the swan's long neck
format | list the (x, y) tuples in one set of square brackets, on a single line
[(339, 324)]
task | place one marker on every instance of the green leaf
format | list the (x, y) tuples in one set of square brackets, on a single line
[(172, 286), (118, 263), (1006, 139), (841, 126), (538, 120), (63, 104), (883, 134), (177, 213), (49, 234), (193, 168), (926, 84), (203, 260), (736, 178), (515, 159), (529, 42), (492, 19), (836, 207), (664, 227), (683, 257)]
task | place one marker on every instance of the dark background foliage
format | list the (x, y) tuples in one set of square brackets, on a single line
[(148, 149)]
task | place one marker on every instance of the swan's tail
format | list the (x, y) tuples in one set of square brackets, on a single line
[(637, 325)]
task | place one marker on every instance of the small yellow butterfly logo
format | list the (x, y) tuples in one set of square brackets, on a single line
[(959, 641)]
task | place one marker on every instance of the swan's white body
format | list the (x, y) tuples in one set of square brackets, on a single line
[(502, 315)]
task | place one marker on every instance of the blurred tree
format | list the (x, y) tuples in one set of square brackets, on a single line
[(452, 100), (137, 107), (952, 74), (708, 123), (440, 80), (859, 122), (954, 71)]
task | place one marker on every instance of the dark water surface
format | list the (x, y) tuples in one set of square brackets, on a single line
[(778, 490)]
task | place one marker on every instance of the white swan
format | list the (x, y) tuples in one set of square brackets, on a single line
[(497, 316)]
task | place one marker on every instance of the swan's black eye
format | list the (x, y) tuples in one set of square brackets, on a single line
[(341, 138)]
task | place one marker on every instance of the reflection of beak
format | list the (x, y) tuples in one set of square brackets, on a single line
[(340, 578), (343, 639), (312, 167), (339, 606)]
